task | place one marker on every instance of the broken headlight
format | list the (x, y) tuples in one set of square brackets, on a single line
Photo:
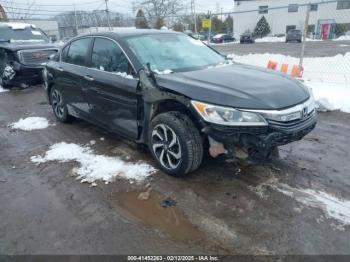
[(228, 116)]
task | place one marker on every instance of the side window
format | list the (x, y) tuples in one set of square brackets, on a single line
[(107, 56), (65, 53), (78, 51)]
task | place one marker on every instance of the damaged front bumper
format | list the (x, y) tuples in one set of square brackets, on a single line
[(261, 140), (16, 74)]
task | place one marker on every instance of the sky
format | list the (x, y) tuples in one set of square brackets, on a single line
[(123, 6)]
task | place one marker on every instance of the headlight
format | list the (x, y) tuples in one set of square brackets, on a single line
[(228, 116)]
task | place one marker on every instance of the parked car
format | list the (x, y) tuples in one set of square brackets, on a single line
[(294, 36), (176, 95), (23, 51), (222, 38), (247, 38)]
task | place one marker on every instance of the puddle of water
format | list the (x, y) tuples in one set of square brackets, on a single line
[(169, 220)]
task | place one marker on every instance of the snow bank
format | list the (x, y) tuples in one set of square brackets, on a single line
[(270, 39), (275, 39), (335, 69), (31, 123), (95, 167), (331, 96), (2, 90), (342, 38)]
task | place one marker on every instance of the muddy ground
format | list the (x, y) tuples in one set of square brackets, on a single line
[(220, 209)]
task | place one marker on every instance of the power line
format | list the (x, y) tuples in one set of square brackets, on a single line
[(50, 5)]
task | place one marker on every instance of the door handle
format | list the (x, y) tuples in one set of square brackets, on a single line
[(89, 78), (60, 69)]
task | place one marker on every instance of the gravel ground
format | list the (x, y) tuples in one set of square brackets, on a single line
[(269, 209)]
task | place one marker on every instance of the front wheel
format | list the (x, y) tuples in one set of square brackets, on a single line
[(175, 143), (58, 105)]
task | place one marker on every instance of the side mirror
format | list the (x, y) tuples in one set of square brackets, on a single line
[(52, 56), (147, 79)]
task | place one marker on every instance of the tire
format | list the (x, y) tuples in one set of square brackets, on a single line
[(175, 143), (58, 106)]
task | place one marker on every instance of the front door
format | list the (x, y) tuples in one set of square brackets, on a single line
[(111, 88), (325, 29), (70, 75)]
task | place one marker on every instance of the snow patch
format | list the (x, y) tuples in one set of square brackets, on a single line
[(18, 26), (333, 207), (164, 72), (270, 39), (31, 123), (95, 167), (2, 90), (342, 38), (125, 75)]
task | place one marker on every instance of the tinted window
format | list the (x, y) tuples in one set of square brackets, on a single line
[(263, 9), (293, 8), (343, 5), (107, 56), (22, 34), (313, 7), (65, 53), (78, 51)]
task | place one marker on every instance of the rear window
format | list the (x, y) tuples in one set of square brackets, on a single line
[(294, 31), (22, 34)]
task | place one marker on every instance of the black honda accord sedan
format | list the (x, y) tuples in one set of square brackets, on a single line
[(178, 96)]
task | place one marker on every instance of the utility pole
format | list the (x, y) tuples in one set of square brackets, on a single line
[(306, 25), (107, 14), (233, 19), (193, 9), (76, 20)]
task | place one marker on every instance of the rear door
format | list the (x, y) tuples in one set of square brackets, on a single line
[(111, 89), (71, 72)]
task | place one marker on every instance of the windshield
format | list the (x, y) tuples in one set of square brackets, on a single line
[(26, 34), (175, 52)]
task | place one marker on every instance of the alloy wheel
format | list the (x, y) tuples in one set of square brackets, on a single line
[(166, 146), (57, 103)]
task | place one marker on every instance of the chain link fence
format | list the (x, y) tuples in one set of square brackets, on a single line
[(314, 36)]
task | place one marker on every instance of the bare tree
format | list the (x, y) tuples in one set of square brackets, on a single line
[(160, 9), (16, 12)]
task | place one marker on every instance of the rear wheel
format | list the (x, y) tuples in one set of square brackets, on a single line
[(58, 105), (175, 143)]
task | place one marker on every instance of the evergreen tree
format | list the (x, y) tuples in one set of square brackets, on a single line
[(141, 21), (159, 23), (216, 25), (262, 28), (228, 23)]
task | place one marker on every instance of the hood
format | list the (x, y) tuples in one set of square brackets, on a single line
[(238, 86), (26, 46)]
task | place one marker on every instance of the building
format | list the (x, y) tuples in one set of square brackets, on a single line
[(50, 27), (283, 15), (3, 16)]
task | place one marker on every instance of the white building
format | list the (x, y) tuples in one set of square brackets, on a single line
[(324, 16)]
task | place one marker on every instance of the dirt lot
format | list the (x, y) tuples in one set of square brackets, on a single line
[(298, 204), (312, 49)]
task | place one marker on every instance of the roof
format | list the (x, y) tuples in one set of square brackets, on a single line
[(132, 32), (15, 25)]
